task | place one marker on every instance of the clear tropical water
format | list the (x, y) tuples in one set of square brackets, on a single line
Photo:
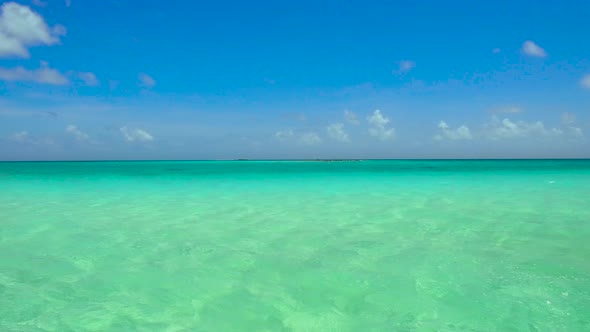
[(295, 246)]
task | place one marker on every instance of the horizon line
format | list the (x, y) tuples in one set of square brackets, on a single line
[(288, 159)]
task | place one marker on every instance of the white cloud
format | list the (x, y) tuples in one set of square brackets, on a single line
[(351, 117), (404, 66), (568, 120), (43, 75), (310, 138), (508, 129), (496, 50), (11, 46), (378, 126), (575, 131), (378, 119), (21, 28), (80, 135), (136, 135), (89, 78), (446, 132), (336, 131), (530, 48), (284, 135), (585, 81), (146, 80)]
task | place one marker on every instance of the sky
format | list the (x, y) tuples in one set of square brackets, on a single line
[(112, 80)]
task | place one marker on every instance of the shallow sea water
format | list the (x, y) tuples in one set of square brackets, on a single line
[(295, 246)]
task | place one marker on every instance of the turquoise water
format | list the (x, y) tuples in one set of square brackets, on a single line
[(295, 246)]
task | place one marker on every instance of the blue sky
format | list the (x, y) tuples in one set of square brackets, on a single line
[(294, 79)]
